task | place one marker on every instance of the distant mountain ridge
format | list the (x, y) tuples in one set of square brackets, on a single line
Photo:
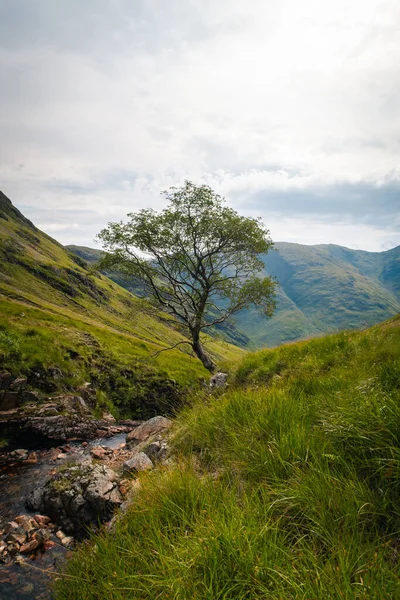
[(326, 288), (322, 288)]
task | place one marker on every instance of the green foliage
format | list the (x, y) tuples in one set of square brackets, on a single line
[(198, 260), (285, 486)]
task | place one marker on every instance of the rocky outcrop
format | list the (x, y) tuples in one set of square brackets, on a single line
[(78, 497), (62, 418), (148, 430)]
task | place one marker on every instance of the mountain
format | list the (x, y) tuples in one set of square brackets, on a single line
[(55, 312), (322, 289)]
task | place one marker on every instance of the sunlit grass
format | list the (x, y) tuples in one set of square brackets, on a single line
[(286, 486)]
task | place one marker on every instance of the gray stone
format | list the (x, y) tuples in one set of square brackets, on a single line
[(147, 429), (77, 497), (138, 463), (218, 380)]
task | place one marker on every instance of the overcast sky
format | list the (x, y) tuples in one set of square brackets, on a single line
[(290, 109)]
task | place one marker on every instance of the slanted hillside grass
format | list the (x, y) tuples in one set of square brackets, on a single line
[(286, 486), (56, 312)]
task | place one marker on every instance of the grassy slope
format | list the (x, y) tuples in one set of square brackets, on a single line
[(324, 289), (286, 486), (227, 331), (53, 311)]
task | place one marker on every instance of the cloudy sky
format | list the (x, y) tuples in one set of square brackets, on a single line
[(290, 109)]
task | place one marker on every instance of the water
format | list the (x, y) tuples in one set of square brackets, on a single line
[(33, 581)]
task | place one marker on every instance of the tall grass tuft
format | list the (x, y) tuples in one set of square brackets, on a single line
[(286, 486)]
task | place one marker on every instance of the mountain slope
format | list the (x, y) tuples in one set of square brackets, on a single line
[(323, 289), (227, 331), (55, 311)]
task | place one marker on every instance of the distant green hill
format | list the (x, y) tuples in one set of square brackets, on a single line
[(322, 289), (54, 311)]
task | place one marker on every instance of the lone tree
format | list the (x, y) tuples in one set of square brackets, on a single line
[(197, 258)]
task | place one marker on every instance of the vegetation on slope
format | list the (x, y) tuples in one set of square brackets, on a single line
[(324, 289), (55, 312), (285, 486)]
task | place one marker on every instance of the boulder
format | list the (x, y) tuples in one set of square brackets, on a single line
[(146, 430), (218, 380), (78, 497), (138, 463)]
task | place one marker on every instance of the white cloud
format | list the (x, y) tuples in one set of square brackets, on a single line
[(106, 103)]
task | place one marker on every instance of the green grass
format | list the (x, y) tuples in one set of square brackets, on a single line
[(54, 311), (285, 486)]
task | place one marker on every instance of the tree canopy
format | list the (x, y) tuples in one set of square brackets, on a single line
[(198, 259)]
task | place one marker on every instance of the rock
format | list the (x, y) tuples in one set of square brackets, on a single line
[(48, 544), (80, 496), (29, 547), (218, 380), (34, 500), (18, 536), (68, 541), (42, 520), (5, 379), (60, 535), (147, 429), (108, 417), (10, 526), (9, 400), (18, 383), (138, 463), (98, 452)]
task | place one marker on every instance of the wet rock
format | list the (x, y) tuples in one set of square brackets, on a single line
[(148, 429), (218, 380), (34, 500), (29, 547), (10, 526), (138, 463)]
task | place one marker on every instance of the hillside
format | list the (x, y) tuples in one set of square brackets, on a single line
[(226, 331), (322, 289), (283, 486), (55, 312)]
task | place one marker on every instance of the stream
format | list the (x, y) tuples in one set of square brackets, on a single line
[(32, 580)]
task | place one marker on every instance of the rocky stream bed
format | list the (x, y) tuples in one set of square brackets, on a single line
[(51, 497)]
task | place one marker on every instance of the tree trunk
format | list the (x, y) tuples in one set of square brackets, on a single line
[(201, 354)]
